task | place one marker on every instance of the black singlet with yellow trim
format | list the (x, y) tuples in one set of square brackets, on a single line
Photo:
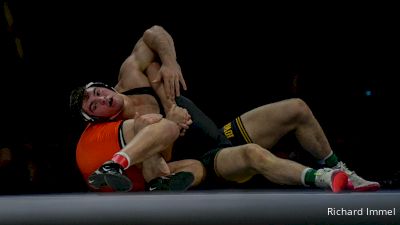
[(202, 136), (202, 140), (236, 132)]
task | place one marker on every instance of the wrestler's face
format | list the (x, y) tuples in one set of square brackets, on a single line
[(102, 102)]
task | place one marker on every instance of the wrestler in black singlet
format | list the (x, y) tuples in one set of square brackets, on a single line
[(148, 91), (202, 140)]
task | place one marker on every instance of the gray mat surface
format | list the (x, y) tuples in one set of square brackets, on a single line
[(206, 208)]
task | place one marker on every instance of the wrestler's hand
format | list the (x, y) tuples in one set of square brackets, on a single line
[(181, 117), (171, 76), (142, 121)]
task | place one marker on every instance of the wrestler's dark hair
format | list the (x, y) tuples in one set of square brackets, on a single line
[(76, 99)]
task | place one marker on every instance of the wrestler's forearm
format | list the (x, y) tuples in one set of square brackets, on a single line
[(160, 41), (166, 102), (151, 72), (151, 140)]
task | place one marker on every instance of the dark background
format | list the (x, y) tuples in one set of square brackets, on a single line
[(341, 59)]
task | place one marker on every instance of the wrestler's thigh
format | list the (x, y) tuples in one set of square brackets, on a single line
[(189, 165), (268, 123)]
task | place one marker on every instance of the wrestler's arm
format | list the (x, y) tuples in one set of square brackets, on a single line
[(174, 112), (156, 42), (151, 72), (160, 41), (131, 73), (149, 141)]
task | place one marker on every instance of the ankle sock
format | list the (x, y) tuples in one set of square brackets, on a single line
[(122, 159), (330, 160), (308, 177)]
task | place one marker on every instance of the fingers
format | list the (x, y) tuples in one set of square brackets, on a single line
[(172, 86), (182, 81), (171, 77), (179, 80), (167, 89), (171, 89), (177, 88), (183, 126), (183, 132)]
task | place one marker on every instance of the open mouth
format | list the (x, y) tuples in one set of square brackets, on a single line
[(110, 102)]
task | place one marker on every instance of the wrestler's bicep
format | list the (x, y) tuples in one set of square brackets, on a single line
[(131, 75)]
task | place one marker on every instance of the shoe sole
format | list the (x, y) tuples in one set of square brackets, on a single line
[(371, 187), (339, 181), (182, 181), (118, 183), (97, 181)]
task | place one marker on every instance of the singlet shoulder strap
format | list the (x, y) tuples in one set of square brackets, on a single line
[(140, 91), (148, 91)]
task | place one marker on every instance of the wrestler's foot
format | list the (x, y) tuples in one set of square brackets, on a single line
[(334, 179), (180, 181), (110, 174), (355, 182)]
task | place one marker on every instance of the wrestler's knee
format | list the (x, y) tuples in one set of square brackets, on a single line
[(195, 165), (299, 107), (197, 169), (254, 154), (170, 128)]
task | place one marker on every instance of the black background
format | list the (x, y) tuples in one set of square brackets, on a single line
[(234, 57)]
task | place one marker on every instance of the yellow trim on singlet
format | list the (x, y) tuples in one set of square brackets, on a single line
[(243, 130), (228, 130)]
